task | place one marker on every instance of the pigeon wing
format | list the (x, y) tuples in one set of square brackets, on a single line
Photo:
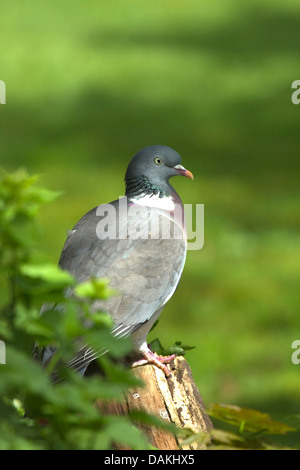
[(144, 270)]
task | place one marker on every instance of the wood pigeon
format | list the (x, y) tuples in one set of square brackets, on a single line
[(139, 243)]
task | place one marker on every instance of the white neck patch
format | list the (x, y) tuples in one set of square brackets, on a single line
[(154, 200)]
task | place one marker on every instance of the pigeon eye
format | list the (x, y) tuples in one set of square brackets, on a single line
[(158, 161)]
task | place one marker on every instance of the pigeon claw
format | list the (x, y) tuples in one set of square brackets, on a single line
[(150, 357)]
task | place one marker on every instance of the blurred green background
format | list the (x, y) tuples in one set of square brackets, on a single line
[(90, 83)]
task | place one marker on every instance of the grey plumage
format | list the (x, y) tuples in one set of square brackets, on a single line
[(145, 271)]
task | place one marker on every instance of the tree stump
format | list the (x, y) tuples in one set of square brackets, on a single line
[(175, 399)]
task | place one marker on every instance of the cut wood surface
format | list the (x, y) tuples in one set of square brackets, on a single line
[(175, 399)]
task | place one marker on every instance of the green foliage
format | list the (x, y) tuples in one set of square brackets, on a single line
[(177, 348), (247, 419), (94, 289), (61, 416), (250, 429)]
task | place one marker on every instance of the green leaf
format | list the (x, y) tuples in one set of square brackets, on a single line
[(94, 288), (157, 347), (120, 431), (252, 420), (178, 348), (49, 273)]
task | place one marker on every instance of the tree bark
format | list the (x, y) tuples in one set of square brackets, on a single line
[(175, 399)]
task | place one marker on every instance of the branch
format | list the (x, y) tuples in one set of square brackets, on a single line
[(175, 399)]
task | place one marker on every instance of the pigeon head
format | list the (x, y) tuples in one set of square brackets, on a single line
[(151, 168)]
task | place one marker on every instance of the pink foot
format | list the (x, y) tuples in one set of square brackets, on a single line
[(159, 361)]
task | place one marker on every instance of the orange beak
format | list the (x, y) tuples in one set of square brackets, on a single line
[(183, 172)]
